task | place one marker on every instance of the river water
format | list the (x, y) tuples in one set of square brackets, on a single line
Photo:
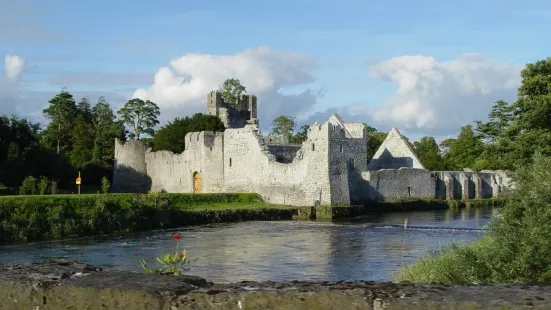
[(366, 248)]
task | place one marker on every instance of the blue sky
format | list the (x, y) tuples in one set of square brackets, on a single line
[(116, 47)]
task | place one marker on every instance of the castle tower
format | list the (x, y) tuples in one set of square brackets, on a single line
[(130, 168), (233, 116)]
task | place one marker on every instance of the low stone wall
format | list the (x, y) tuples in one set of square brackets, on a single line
[(58, 284)]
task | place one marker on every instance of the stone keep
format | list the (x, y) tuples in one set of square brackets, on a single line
[(329, 168)]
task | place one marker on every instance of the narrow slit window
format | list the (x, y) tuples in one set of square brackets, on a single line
[(341, 148), (409, 191), (230, 161), (313, 147)]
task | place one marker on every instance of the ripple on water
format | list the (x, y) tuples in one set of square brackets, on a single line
[(368, 248)]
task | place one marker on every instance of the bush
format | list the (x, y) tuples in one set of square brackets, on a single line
[(28, 186), (53, 187), (43, 185), (57, 216), (105, 185), (515, 248)]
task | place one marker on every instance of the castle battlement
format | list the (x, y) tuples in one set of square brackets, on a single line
[(233, 115)]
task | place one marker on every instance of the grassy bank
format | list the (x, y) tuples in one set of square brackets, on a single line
[(432, 204), (514, 249), (26, 218)]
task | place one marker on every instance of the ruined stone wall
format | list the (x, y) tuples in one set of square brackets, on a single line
[(399, 183), (469, 184), (249, 166), (347, 158), (130, 168), (173, 173), (284, 153), (232, 116)]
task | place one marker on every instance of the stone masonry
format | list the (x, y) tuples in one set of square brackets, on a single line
[(329, 168)]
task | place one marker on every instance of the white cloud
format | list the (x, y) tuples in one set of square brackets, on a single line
[(265, 72), (13, 65), (437, 96)]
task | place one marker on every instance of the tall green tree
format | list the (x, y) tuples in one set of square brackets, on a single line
[(429, 153), (500, 119), (465, 150), (141, 116), (106, 129), (61, 112), (171, 137), (283, 127), (232, 90), (83, 142)]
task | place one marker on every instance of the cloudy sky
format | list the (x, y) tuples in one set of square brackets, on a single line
[(426, 67)]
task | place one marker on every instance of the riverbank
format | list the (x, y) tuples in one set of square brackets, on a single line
[(30, 218), (71, 285)]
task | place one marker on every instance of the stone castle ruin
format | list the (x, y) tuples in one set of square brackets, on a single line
[(329, 168)]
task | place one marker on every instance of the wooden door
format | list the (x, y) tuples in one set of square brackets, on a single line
[(197, 183)]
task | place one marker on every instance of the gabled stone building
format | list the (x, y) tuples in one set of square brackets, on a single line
[(330, 167)]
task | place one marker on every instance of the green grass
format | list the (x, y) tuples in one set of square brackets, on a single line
[(35, 217)]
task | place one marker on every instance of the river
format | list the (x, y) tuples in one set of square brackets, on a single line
[(367, 248)]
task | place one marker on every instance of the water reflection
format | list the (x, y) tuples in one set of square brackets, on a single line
[(368, 248)]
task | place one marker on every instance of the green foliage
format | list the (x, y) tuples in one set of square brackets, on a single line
[(374, 140), (465, 150), (83, 142), (232, 90), (59, 216), (29, 186), (105, 185), (61, 112), (43, 185), (283, 127), (171, 137), (429, 154), (106, 129), (300, 136), (516, 246), (53, 187), (141, 116)]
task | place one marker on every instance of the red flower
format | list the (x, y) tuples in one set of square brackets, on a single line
[(181, 255), (177, 236), (135, 254)]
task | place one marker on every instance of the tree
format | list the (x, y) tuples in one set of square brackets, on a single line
[(500, 119), (232, 90), (171, 137), (61, 112), (429, 154), (83, 142), (465, 150), (300, 136), (106, 129), (283, 127), (141, 116)]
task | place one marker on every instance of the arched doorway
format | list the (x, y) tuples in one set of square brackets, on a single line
[(197, 183)]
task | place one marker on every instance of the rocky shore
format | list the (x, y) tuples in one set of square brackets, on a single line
[(59, 284)]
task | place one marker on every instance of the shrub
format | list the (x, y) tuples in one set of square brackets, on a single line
[(58, 216), (43, 185), (53, 187), (28, 186), (516, 246), (105, 185)]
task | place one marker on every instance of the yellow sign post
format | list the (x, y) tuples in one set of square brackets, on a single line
[(78, 181)]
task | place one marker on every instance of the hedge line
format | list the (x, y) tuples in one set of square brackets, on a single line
[(26, 218)]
